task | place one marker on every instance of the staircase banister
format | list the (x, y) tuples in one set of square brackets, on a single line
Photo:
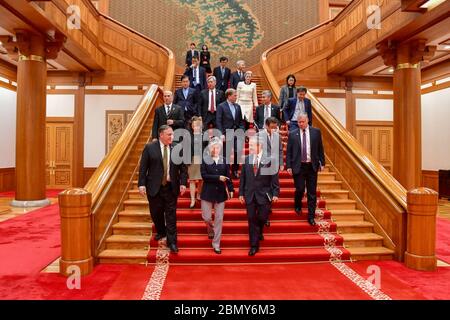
[(382, 176), (101, 179)]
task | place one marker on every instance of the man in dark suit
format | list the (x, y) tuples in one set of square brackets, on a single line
[(297, 106), (222, 74), (239, 75), (187, 99), (266, 110), (190, 54), (162, 181), (209, 100), (305, 158), (169, 114), (229, 117), (258, 188), (197, 75)]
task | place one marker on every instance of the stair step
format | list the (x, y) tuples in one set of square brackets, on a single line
[(352, 240), (371, 253), (347, 215), (333, 204), (132, 228), (134, 242), (123, 256), (265, 255), (354, 227)]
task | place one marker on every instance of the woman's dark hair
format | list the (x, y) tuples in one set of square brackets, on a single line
[(205, 46), (289, 77)]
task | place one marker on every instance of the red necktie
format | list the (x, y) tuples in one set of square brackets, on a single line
[(213, 106), (255, 167)]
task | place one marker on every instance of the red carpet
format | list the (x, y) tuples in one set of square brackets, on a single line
[(30, 242), (443, 239), (277, 282), (402, 283), (50, 193)]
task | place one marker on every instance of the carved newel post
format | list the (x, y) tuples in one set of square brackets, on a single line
[(421, 229)]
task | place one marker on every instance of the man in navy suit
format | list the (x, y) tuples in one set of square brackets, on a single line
[(222, 74), (197, 75), (304, 159), (239, 75), (266, 110), (296, 106), (229, 117), (190, 54), (210, 98), (187, 99), (258, 188)]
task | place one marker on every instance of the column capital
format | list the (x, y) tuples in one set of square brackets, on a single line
[(405, 55)]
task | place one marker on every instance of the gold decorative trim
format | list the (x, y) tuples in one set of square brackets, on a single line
[(31, 57), (408, 66), (156, 282)]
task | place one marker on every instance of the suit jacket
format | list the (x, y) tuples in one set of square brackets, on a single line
[(202, 74), (222, 83), (152, 169), (284, 96), (290, 109), (259, 118), (213, 189), (275, 155), (294, 150), (204, 101), (224, 118), (176, 113), (189, 104), (188, 60), (260, 186), (235, 79)]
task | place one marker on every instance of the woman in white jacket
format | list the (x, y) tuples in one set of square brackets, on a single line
[(247, 97)]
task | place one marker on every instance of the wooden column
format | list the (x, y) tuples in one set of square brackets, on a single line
[(33, 50), (76, 239), (421, 229), (78, 154), (30, 122), (406, 58), (350, 108)]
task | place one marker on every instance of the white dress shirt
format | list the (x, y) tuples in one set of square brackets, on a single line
[(209, 98), (165, 109), (196, 74), (299, 109), (308, 143), (161, 145)]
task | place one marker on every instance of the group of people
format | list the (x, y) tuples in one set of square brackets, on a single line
[(210, 119)]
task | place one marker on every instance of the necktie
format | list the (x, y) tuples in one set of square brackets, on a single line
[(223, 73), (304, 156), (255, 167), (165, 158), (267, 113), (195, 76), (213, 105), (233, 111), (167, 110)]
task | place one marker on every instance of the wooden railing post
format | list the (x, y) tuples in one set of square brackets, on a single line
[(421, 230), (75, 211)]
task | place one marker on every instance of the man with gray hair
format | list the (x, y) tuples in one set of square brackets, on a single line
[(239, 75), (266, 110), (304, 159), (210, 98)]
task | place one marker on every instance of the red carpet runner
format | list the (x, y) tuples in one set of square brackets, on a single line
[(30, 242)]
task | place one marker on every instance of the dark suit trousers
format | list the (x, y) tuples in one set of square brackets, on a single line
[(163, 213), (209, 119), (308, 177), (237, 151), (257, 216)]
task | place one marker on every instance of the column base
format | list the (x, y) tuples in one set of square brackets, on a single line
[(421, 263), (30, 203), (76, 267)]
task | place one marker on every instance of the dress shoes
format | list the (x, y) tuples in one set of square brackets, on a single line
[(261, 237), (311, 221), (218, 251), (173, 248), (211, 236), (253, 251), (298, 211), (159, 236), (267, 224)]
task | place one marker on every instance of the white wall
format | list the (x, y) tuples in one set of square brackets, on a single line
[(60, 105), (436, 130), (94, 123), (7, 128), (374, 110), (337, 108)]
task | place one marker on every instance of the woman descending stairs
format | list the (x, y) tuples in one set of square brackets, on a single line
[(341, 232)]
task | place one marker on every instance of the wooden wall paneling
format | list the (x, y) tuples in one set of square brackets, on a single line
[(430, 179), (7, 179), (87, 174)]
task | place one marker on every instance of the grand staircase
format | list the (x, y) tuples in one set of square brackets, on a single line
[(342, 232)]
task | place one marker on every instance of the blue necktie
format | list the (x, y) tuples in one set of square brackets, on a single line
[(304, 155), (233, 110)]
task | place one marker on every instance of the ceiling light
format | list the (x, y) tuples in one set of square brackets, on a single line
[(431, 4), (447, 47), (391, 70)]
